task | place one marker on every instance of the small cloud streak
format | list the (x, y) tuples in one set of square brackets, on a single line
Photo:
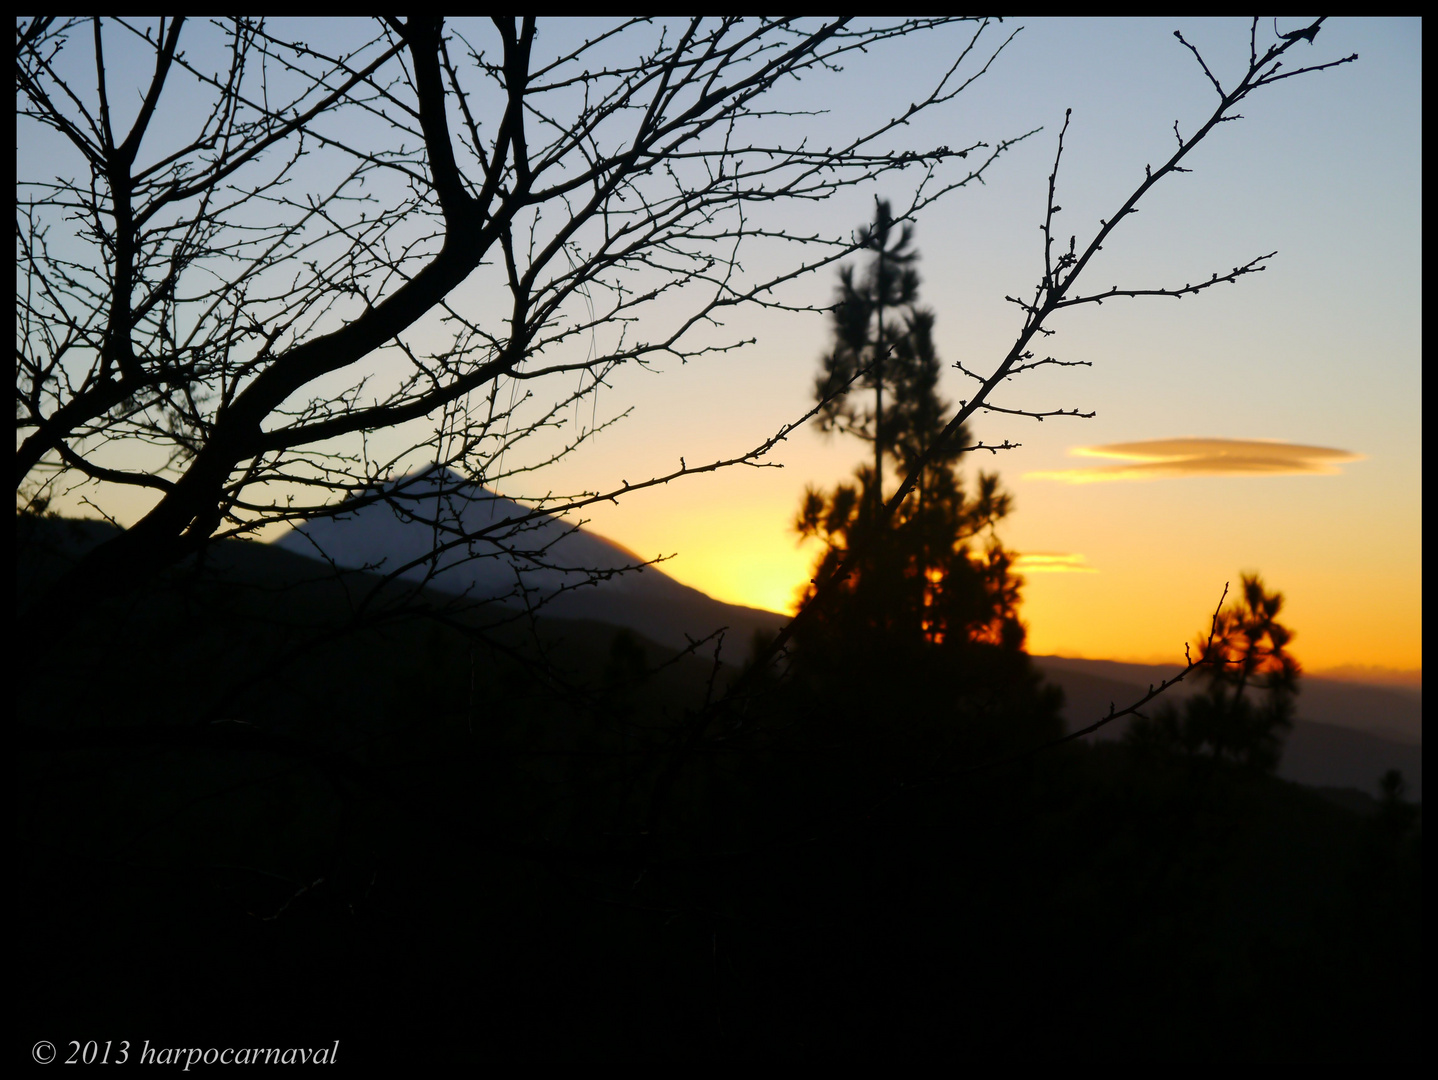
[(1052, 562), (1157, 459)]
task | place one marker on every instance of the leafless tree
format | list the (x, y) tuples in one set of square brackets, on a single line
[(262, 266), (292, 267)]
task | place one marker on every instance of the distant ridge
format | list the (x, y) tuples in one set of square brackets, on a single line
[(1346, 735), (1409, 680), (543, 562)]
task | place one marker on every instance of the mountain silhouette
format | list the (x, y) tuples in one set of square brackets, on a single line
[(434, 528)]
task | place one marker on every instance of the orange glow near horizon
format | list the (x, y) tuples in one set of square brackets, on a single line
[(1136, 594), (1066, 615), (1133, 606)]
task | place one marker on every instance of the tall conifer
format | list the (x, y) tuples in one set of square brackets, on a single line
[(936, 571)]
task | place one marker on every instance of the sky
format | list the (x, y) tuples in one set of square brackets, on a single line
[(1287, 405), (1272, 425)]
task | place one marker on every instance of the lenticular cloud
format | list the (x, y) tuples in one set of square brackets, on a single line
[(1156, 459)]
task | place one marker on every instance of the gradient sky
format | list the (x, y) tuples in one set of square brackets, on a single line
[(1323, 350), (1270, 425)]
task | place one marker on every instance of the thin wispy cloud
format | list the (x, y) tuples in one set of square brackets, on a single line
[(1156, 459), (1052, 562)]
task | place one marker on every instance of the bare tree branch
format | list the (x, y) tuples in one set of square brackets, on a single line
[(314, 257)]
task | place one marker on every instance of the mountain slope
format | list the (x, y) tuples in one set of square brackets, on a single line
[(496, 549)]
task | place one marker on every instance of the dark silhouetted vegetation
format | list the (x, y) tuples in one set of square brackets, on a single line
[(917, 577), (266, 800), (921, 646), (438, 844), (1252, 679)]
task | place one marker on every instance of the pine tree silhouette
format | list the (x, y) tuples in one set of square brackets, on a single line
[(1248, 651), (918, 657), (936, 571)]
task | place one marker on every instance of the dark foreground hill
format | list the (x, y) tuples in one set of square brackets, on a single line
[(451, 836)]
